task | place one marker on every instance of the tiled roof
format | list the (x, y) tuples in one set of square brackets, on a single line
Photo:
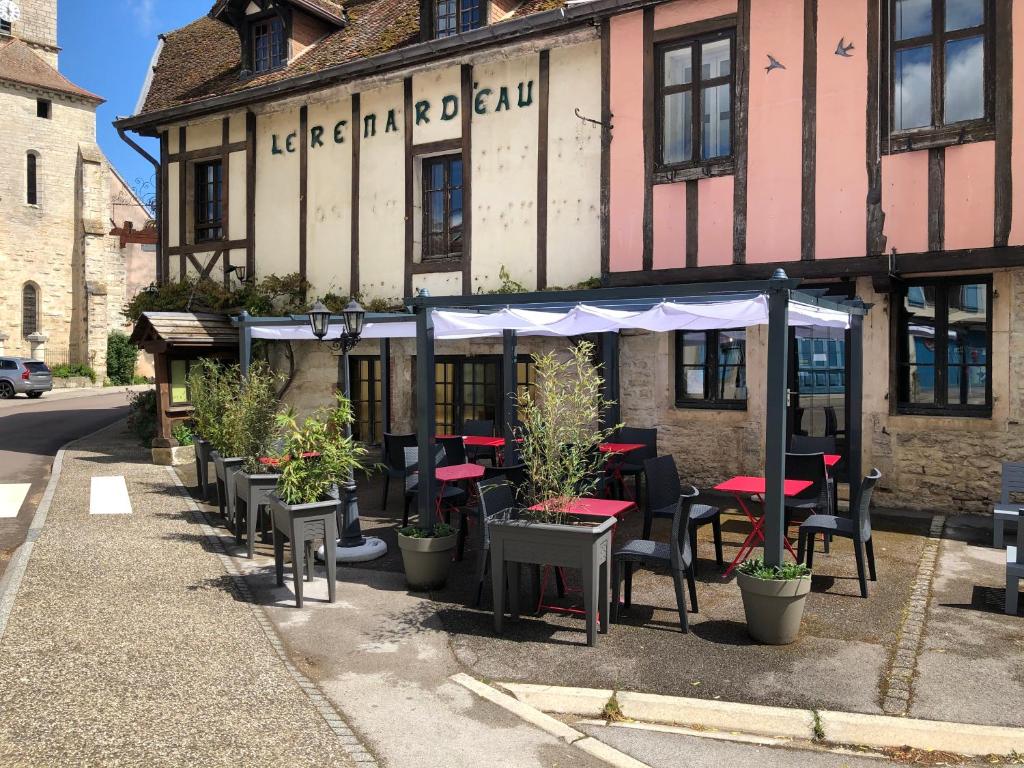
[(203, 59), (20, 64)]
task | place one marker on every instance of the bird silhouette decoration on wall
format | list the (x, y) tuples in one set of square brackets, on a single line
[(844, 50), (773, 63)]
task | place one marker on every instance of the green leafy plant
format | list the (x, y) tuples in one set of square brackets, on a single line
[(211, 387), (271, 296), (142, 416), (141, 380), (121, 358), (72, 370), (440, 530), (182, 433), (758, 569), (307, 479), (560, 433), (252, 416)]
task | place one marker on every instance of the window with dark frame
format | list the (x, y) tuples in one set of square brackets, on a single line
[(31, 180), (209, 211), (44, 108), (454, 16), (943, 347), (29, 310), (711, 369), (694, 95), (940, 58), (367, 405), (269, 48), (442, 207), (468, 388)]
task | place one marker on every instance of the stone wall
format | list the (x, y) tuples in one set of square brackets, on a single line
[(38, 27)]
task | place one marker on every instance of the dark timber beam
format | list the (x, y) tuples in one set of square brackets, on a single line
[(425, 424), (385, 385), (775, 424), (855, 396), (508, 381)]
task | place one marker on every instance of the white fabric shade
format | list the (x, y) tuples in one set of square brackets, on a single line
[(583, 319)]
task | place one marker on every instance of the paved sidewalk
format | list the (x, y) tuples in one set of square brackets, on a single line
[(127, 646)]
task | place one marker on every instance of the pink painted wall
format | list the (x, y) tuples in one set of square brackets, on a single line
[(669, 225), (688, 11), (774, 133), (1017, 163), (905, 201), (841, 178), (714, 221), (627, 159), (970, 195)]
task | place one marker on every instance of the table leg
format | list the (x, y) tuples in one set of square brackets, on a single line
[(590, 605), (498, 582)]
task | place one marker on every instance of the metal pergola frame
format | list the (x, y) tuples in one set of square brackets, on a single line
[(779, 290)]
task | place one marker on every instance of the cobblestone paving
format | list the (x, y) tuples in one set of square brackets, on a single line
[(127, 644)]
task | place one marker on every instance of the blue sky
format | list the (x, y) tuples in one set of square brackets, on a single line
[(107, 47)]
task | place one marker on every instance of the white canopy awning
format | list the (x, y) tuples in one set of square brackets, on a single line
[(583, 319)]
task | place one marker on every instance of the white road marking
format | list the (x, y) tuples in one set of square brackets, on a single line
[(109, 496), (12, 496)]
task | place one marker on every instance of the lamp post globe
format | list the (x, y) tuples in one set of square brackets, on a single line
[(319, 320), (354, 316)]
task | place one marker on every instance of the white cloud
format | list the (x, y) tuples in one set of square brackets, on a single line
[(144, 12)]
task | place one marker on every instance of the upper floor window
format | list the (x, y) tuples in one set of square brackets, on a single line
[(442, 206), (44, 108), (209, 210), (940, 59), (944, 343), (29, 309), (711, 369), (31, 178), (454, 16), (269, 48), (694, 93)]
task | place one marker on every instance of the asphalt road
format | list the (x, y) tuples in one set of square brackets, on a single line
[(31, 433)]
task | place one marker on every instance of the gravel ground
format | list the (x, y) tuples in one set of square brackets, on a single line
[(127, 646)]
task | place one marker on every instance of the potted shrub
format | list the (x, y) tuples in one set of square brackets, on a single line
[(773, 599), (559, 436), (427, 555), (257, 406), (205, 412), (225, 434), (317, 453)]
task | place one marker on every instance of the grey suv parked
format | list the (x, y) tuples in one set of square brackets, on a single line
[(19, 374)]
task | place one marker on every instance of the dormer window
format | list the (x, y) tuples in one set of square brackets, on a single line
[(454, 16), (269, 47)]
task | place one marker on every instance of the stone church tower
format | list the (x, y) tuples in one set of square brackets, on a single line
[(63, 274)]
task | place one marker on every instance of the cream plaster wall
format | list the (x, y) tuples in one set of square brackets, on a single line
[(504, 177), (574, 165), (433, 86), (382, 196), (173, 212), (438, 283), (235, 178), (277, 195), (209, 133)]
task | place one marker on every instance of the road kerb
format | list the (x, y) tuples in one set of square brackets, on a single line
[(875, 731), (548, 724)]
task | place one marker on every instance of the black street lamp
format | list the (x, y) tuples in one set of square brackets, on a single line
[(352, 546)]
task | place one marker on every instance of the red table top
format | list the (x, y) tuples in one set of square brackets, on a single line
[(594, 507), (456, 472), (831, 459), (620, 447), (745, 484), (479, 441)]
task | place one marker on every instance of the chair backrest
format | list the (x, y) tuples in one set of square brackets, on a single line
[(661, 479), (862, 512), (805, 444), (808, 466), (412, 458), (478, 428), (681, 550), (496, 495), (1012, 481), (515, 474), (454, 449), (648, 437), (394, 449)]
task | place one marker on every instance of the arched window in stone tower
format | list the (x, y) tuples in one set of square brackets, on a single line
[(29, 309), (32, 178)]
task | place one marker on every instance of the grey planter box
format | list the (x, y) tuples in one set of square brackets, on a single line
[(225, 469), (302, 525), (203, 450), (586, 546), (253, 491)]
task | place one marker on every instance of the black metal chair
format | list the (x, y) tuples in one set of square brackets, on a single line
[(394, 460), (480, 428), (514, 476), (856, 528), (632, 463), (451, 496), (826, 444), (663, 492), (817, 498), (454, 449), (677, 555), (496, 494), (832, 423)]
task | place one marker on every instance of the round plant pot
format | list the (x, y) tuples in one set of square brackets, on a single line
[(427, 561), (773, 607)]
